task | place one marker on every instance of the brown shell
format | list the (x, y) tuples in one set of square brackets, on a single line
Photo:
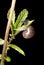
[(28, 33)]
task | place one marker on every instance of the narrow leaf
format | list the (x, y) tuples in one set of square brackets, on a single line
[(21, 18), (17, 48)]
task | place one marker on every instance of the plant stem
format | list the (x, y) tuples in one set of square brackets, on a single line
[(7, 32)]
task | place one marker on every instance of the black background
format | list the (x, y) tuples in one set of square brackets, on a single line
[(32, 47)]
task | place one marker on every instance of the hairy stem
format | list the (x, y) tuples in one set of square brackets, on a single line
[(7, 32)]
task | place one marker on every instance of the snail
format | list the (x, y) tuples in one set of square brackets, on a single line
[(28, 32)]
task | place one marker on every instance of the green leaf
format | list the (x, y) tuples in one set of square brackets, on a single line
[(12, 22), (13, 16), (21, 18), (1, 41), (0, 56), (17, 48), (8, 59)]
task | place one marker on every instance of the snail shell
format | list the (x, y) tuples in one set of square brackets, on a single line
[(28, 33)]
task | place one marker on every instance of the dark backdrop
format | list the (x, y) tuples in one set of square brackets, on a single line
[(32, 47)]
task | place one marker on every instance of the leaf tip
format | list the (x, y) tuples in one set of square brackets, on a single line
[(24, 54)]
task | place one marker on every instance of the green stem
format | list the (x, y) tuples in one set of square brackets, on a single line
[(7, 32)]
